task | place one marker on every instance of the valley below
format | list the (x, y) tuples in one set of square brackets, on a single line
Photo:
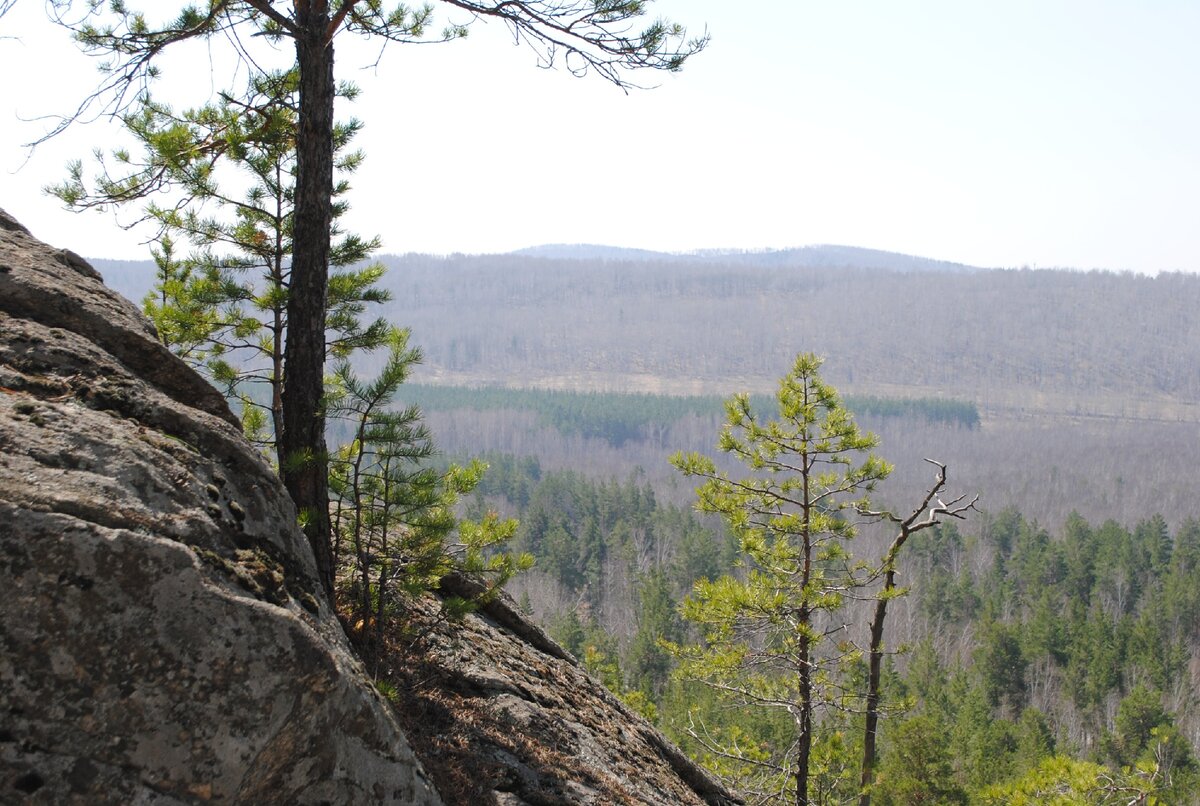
[(1068, 402)]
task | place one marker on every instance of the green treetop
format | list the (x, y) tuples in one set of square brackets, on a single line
[(773, 635), (770, 636), (223, 307)]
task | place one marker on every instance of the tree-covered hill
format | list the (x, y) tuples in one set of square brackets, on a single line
[(809, 256), (1102, 344), (1019, 341), (1085, 384)]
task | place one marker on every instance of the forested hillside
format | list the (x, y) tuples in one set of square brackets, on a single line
[(1071, 342), (1046, 466), (824, 256), (1077, 343), (1085, 384), (1017, 648), (1049, 638), (1036, 646)]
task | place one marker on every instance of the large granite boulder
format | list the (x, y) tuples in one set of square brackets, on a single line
[(163, 638)]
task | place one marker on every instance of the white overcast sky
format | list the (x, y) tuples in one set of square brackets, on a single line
[(1034, 132)]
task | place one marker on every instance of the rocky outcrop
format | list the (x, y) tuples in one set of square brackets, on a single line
[(162, 636), (500, 714)]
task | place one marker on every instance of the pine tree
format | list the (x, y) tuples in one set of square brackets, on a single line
[(223, 307), (773, 637), (601, 38), (393, 513), (917, 771)]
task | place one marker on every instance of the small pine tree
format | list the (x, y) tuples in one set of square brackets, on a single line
[(393, 514), (773, 636), (770, 637), (223, 306)]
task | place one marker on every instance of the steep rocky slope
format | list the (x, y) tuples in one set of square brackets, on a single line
[(163, 637), (500, 714)]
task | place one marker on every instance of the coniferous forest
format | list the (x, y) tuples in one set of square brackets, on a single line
[(1019, 659), (1044, 645), (1029, 655)]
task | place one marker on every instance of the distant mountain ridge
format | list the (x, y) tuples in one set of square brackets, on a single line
[(815, 256), (135, 278)]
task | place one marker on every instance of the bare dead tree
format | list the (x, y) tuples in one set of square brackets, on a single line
[(931, 512)]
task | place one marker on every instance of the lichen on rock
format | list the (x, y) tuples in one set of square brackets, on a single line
[(163, 637), (500, 714)]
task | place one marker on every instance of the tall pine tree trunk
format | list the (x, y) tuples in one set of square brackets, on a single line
[(279, 281), (804, 747), (303, 441)]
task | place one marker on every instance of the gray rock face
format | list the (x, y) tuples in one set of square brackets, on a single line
[(500, 714), (162, 635)]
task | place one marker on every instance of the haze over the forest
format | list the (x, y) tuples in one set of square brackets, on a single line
[(1096, 344), (569, 434), (1087, 382)]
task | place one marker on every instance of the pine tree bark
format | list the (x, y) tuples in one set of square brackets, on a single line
[(304, 469), (804, 750)]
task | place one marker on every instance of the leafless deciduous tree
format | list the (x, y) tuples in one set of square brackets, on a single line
[(931, 511)]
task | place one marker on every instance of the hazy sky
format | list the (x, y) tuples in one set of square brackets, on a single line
[(998, 134)]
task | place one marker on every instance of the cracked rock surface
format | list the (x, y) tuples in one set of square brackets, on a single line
[(163, 638), (500, 714)]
